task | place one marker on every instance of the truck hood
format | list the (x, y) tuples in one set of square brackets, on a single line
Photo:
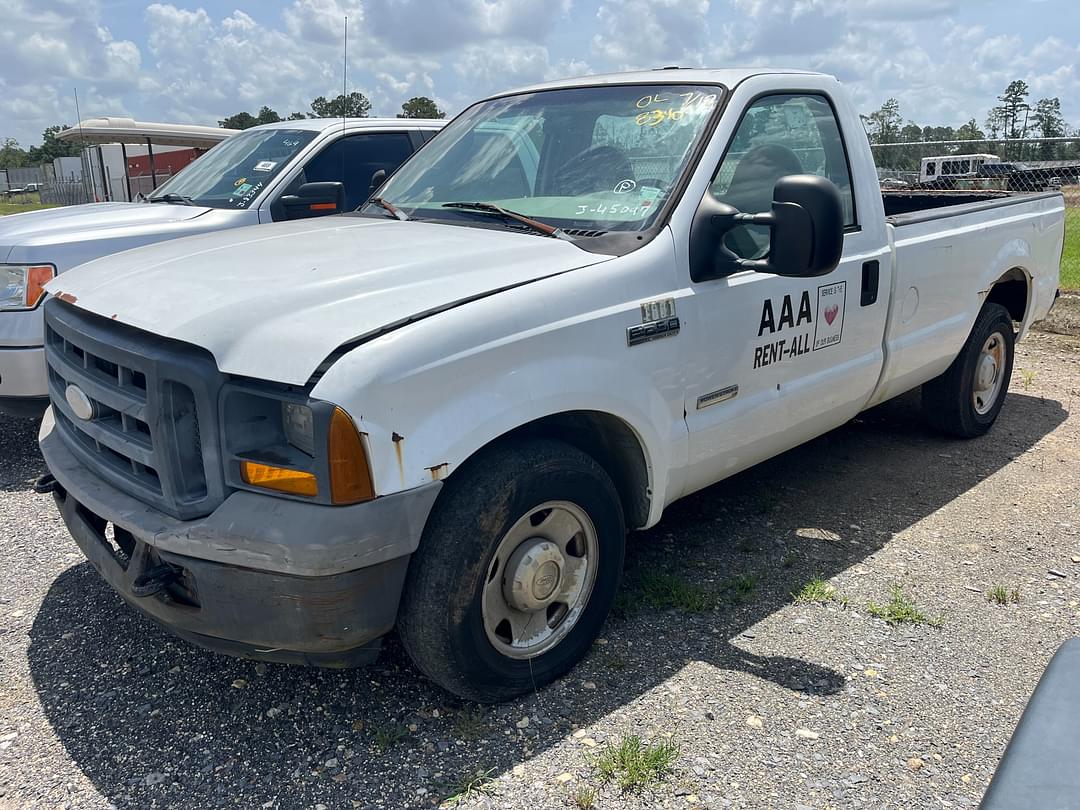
[(274, 301), (59, 225)]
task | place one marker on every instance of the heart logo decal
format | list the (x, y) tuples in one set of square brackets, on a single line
[(830, 313)]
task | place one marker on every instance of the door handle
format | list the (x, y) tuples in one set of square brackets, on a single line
[(870, 273)]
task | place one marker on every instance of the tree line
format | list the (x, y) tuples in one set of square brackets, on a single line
[(352, 105), (1014, 117)]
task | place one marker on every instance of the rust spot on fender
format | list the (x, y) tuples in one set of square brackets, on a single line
[(397, 439), (68, 297), (439, 470)]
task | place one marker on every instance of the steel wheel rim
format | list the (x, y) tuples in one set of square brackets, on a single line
[(989, 374), (539, 579)]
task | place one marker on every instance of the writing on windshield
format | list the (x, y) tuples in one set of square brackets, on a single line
[(232, 174), (597, 158)]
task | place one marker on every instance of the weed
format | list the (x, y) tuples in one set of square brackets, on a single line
[(664, 591), (615, 662), (635, 764), (816, 591), (387, 735), (1027, 377), (740, 588), (1002, 595), (471, 785), (470, 724), (585, 798), (902, 610)]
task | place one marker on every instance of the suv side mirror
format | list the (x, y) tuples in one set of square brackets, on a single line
[(315, 200), (806, 226)]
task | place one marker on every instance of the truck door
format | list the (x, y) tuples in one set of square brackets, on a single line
[(352, 160), (783, 359)]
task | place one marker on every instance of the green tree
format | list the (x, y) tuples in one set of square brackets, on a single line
[(296, 116), (883, 125), (1011, 116), (245, 120), (12, 156), (970, 132), (354, 105), (1050, 122), (420, 107), (51, 147)]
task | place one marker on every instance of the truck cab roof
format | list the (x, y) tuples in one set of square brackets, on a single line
[(728, 77), (350, 124)]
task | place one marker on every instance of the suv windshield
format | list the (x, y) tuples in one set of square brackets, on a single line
[(602, 158), (232, 174)]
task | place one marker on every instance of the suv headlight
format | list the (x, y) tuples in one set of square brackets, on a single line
[(294, 446), (22, 286)]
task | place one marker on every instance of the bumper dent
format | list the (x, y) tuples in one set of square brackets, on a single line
[(260, 577)]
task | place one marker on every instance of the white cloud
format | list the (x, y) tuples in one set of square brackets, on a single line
[(198, 61)]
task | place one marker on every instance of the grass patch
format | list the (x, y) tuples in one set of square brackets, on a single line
[(585, 798), (1070, 259), (470, 724), (900, 609), (19, 208), (635, 764), (1002, 594), (665, 590), (387, 735), (817, 591), (469, 786)]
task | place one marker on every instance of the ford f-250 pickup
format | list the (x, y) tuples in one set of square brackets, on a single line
[(289, 170), (578, 303)]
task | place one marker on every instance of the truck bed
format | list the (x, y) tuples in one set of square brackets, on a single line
[(906, 206), (946, 258)]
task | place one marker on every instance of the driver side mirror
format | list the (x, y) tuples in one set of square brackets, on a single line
[(806, 232), (315, 200)]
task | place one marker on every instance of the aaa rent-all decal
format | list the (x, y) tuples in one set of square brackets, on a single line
[(818, 327)]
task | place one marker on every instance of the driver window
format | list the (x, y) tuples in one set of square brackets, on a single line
[(779, 135)]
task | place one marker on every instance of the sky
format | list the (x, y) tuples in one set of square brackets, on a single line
[(197, 62)]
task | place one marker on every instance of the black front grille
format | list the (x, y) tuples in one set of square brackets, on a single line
[(153, 428)]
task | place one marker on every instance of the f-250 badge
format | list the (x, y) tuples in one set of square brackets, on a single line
[(824, 325)]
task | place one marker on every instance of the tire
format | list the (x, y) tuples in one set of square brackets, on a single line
[(532, 489), (967, 398)]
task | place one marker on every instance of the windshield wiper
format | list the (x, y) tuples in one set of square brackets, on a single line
[(172, 197), (389, 206), (491, 208)]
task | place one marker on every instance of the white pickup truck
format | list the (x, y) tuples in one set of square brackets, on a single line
[(289, 170), (578, 303)]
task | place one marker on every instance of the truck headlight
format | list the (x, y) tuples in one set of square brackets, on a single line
[(22, 286), (295, 446), (299, 426)]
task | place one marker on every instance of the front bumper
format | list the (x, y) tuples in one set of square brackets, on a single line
[(23, 384), (260, 577)]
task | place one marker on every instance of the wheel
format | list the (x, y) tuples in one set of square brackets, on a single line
[(516, 570), (967, 398)]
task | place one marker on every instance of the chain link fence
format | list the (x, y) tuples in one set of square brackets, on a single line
[(1003, 165)]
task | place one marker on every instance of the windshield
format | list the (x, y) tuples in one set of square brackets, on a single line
[(232, 174), (590, 158)]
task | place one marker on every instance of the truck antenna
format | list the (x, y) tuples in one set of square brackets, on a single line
[(87, 169), (344, 91)]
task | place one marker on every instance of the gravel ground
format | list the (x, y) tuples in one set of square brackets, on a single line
[(772, 703)]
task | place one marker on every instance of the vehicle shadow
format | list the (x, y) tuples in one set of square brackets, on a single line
[(149, 718), (18, 449)]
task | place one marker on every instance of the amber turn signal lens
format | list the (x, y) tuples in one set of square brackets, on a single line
[(294, 482), (350, 474), (36, 279)]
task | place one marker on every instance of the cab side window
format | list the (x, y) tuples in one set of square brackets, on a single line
[(779, 135), (354, 161)]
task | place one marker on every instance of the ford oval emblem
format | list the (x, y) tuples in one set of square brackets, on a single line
[(79, 402)]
